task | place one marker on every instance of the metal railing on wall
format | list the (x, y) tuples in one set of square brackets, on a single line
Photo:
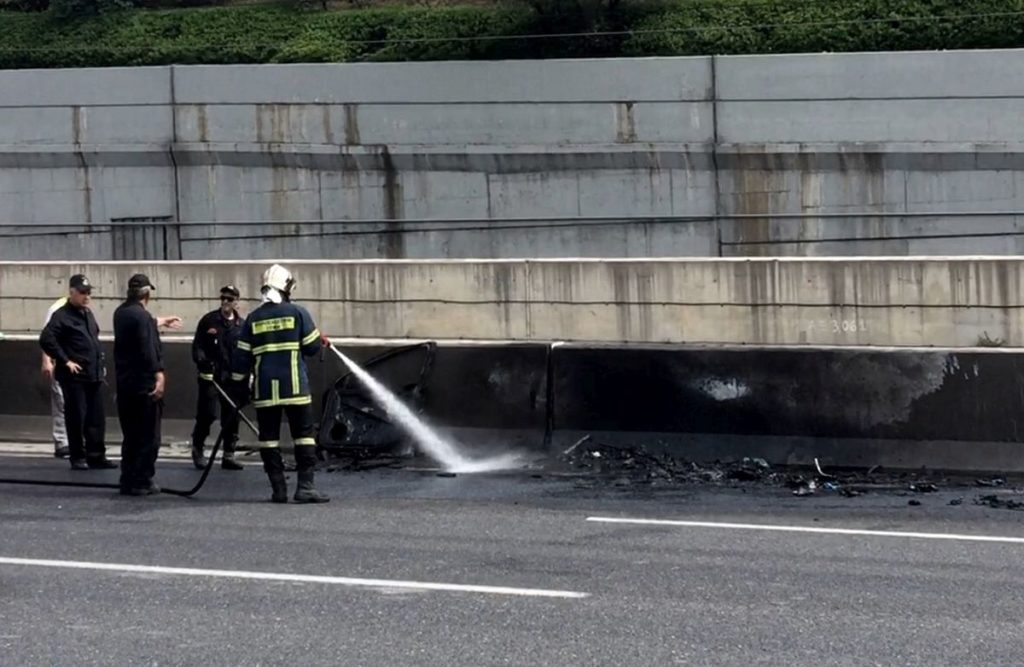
[(161, 238)]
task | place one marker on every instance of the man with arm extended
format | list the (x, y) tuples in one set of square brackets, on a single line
[(138, 359)]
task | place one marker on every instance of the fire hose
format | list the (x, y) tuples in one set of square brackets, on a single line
[(174, 492)]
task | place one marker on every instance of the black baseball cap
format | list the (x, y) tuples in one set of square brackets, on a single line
[(140, 280), (80, 283), (230, 290)]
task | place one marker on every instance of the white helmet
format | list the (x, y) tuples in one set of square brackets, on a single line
[(279, 278)]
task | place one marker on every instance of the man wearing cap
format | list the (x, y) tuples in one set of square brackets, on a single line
[(212, 347), (138, 360), (71, 339)]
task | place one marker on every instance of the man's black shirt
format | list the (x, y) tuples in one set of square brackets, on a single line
[(138, 355), (73, 335), (215, 342)]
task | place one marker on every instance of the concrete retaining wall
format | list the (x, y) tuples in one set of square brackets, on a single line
[(708, 138), (955, 302)]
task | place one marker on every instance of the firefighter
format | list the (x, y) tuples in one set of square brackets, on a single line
[(212, 348), (274, 339)]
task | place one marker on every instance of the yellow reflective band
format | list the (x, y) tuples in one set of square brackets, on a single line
[(237, 377), (295, 371), (275, 324), (304, 442), (275, 391), (244, 346), (269, 444), (311, 337), (275, 347), (206, 376), (297, 401)]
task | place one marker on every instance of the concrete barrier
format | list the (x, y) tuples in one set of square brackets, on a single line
[(850, 407), (954, 302), (944, 409)]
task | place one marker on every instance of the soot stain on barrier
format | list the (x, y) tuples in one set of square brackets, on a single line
[(834, 393)]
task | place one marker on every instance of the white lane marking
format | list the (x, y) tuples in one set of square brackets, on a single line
[(810, 529), (298, 578)]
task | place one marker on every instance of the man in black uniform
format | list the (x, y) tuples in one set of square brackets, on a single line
[(138, 359), (215, 341), (71, 337)]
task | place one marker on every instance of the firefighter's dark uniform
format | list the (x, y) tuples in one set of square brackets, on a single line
[(212, 349), (273, 342)]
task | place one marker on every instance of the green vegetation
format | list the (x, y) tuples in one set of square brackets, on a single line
[(77, 33), (795, 26)]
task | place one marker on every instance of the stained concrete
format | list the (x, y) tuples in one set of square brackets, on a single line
[(897, 408), (692, 141), (953, 302)]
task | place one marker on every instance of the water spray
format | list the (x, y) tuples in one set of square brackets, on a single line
[(439, 449)]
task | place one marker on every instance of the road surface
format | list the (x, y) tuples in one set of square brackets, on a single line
[(408, 568)]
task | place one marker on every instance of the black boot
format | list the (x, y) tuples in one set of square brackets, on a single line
[(274, 468), (305, 461), (198, 460), (228, 462)]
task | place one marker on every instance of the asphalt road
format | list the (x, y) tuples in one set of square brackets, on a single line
[(585, 592)]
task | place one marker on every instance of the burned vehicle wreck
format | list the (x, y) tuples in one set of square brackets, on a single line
[(487, 399), (355, 425)]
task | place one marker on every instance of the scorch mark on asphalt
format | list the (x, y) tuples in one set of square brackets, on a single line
[(295, 578), (809, 529)]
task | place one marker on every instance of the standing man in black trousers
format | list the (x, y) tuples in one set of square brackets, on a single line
[(71, 339), (212, 347), (138, 359)]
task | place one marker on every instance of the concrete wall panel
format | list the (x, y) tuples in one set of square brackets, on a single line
[(626, 80), (28, 126), (911, 302), (925, 132), (862, 121), (85, 87), (848, 76)]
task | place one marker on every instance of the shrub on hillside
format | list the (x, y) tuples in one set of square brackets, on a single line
[(24, 5), (253, 35), (76, 9), (256, 34), (792, 26)]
